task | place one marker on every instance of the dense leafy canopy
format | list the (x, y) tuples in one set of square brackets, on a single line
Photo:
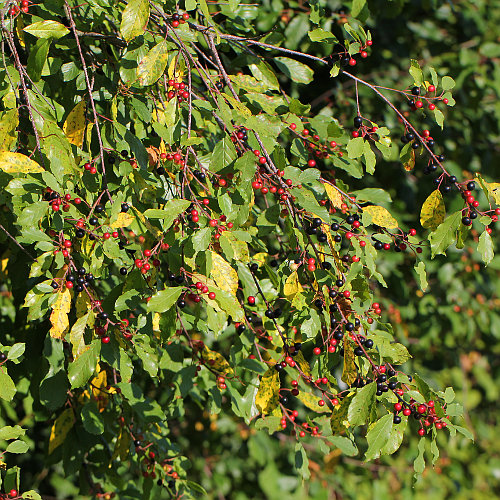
[(244, 248)]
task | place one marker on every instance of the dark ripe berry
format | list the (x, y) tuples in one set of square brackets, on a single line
[(357, 323), (79, 233), (179, 279), (318, 303), (338, 335), (322, 237), (297, 346), (333, 293), (311, 230), (241, 328), (335, 227), (181, 303), (137, 443), (349, 327), (391, 373), (415, 90), (254, 267), (379, 392), (404, 139), (175, 17), (219, 85), (433, 167), (358, 351), (350, 219), (410, 136), (123, 271), (397, 419), (473, 215), (382, 377), (78, 288), (160, 171), (356, 217), (378, 245), (277, 312), (368, 343), (316, 222), (89, 277), (278, 367), (125, 207), (80, 280), (431, 144), (326, 265), (441, 158), (269, 314), (93, 221), (466, 221), (337, 238), (471, 186), (54, 285), (446, 189), (99, 209), (415, 145), (358, 121), (392, 385), (171, 277), (339, 283), (284, 400), (70, 277), (81, 271), (111, 160), (452, 179), (124, 153), (3, 356), (273, 263)]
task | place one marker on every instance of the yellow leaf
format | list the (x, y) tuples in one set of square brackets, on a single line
[(303, 364), (98, 386), (156, 322), (333, 194), (62, 425), (349, 372), (20, 32), (74, 126), (381, 216), (433, 211), (267, 397), (175, 71), (223, 274), (59, 315), (311, 401), (122, 446), (216, 362), (8, 124), (124, 219), (17, 163), (292, 286), (494, 190), (260, 258)]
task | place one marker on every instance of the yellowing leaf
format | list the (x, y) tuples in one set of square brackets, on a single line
[(267, 397), (62, 425), (124, 219), (223, 274), (433, 211), (334, 195), (292, 286), (494, 190), (59, 315), (17, 163), (410, 164), (156, 232), (74, 126), (175, 71), (122, 446), (303, 364), (156, 322), (216, 362), (153, 64), (339, 422), (98, 386), (311, 401), (349, 372), (381, 216)]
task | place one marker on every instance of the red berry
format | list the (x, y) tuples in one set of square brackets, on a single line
[(67, 197), (311, 163), (355, 258), (398, 406), (406, 412), (430, 404), (369, 43), (356, 224), (349, 235), (321, 403), (421, 409), (364, 54), (421, 432), (317, 351), (262, 160), (69, 285), (346, 294), (355, 133), (87, 166), (115, 234), (432, 106), (413, 232), (93, 170), (106, 340), (213, 223), (387, 246), (65, 253), (67, 243), (352, 62), (445, 100), (419, 104), (147, 253), (251, 300), (175, 24), (77, 201), (431, 88), (211, 295), (13, 493), (106, 236), (376, 305), (335, 401), (222, 182)]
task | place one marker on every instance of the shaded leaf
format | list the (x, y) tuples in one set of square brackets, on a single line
[(135, 18), (17, 163), (433, 210), (74, 126), (60, 428)]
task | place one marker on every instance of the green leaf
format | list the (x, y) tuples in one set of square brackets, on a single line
[(447, 83), (37, 57), (223, 154), (7, 387), (419, 463), (16, 350), (445, 234), (134, 19), (357, 7), (295, 70), (378, 436), (355, 147), (302, 461), (201, 239), (370, 158), (80, 371), (164, 299), (9, 432), (169, 213), (361, 405), (422, 276), (47, 29), (153, 65), (485, 247), (17, 447), (320, 35), (92, 419), (416, 72)]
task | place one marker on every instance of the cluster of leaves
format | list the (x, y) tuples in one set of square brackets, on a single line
[(190, 230)]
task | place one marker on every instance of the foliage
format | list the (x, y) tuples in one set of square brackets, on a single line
[(208, 287)]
